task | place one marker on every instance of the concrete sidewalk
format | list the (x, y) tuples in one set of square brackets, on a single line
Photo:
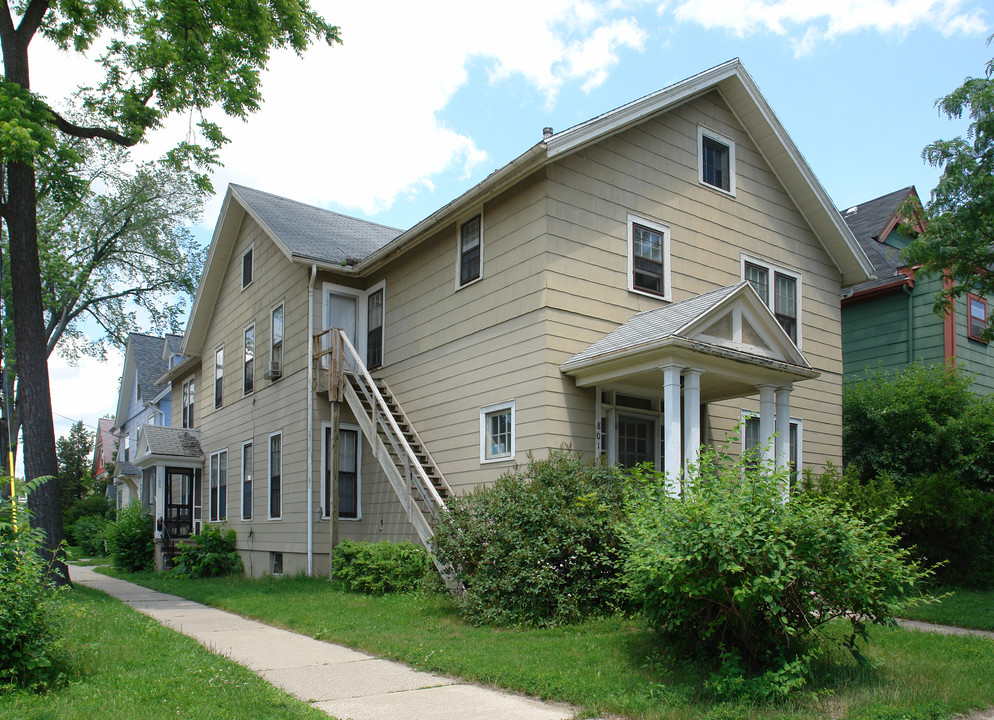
[(342, 682)]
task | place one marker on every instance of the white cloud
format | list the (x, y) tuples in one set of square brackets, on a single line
[(86, 391), (805, 23)]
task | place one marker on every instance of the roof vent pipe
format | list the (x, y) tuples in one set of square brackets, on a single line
[(546, 133)]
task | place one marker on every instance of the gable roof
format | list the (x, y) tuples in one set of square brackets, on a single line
[(165, 442), (871, 222), (144, 364)]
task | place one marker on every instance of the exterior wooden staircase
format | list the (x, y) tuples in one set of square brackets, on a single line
[(413, 474)]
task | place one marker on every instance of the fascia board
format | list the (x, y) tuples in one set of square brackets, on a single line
[(265, 228), (123, 403)]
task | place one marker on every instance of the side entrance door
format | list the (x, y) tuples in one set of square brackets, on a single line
[(179, 502)]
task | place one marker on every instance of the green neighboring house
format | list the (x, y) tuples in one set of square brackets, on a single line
[(888, 322)]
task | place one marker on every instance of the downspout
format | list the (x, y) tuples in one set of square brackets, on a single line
[(310, 420), (911, 324)]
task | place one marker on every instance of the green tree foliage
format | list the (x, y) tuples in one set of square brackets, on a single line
[(959, 217), (538, 547), (73, 452), (158, 59), (733, 572), (382, 567)]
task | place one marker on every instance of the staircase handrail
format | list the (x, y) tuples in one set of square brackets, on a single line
[(358, 368)]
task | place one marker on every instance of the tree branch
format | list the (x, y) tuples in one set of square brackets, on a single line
[(31, 20), (88, 133)]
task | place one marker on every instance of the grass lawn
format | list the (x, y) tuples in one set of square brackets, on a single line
[(120, 665), (607, 667), (965, 608)]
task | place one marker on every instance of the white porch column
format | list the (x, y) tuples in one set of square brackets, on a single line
[(783, 426), (691, 419), (673, 432), (159, 478), (767, 407)]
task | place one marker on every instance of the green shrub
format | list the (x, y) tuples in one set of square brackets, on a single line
[(30, 606), (732, 572), (130, 539), (538, 547), (212, 554), (380, 567), (89, 533)]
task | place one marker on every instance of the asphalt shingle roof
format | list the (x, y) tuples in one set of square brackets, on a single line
[(149, 363), (866, 221), (314, 233), (651, 326), (173, 442)]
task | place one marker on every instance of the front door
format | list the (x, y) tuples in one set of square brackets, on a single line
[(343, 312), (636, 440), (179, 502)]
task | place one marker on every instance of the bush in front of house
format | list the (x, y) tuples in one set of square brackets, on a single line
[(736, 575), (540, 546), (381, 567), (96, 505), (30, 606), (130, 539), (89, 533), (212, 554)]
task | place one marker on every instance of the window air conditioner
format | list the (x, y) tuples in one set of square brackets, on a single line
[(275, 371)]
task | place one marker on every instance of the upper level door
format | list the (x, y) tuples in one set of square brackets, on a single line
[(342, 311)]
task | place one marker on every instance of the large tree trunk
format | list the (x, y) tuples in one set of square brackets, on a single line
[(29, 327)]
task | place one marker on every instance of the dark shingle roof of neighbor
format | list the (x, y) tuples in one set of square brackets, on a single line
[(316, 234), (866, 221), (125, 468), (172, 441), (149, 363)]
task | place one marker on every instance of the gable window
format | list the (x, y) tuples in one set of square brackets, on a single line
[(470, 250), (127, 448), (497, 432), (247, 473), (374, 331), (248, 376), (247, 268), (348, 473), (648, 257), (751, 443), (977, 320), (188, 398), (219, 486), (218, 377), (779, 289), (715, 160), (275, 476), (276, 348)]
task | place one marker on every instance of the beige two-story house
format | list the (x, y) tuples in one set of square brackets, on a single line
[(633, 287)]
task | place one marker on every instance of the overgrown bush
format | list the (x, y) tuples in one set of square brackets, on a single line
[(30, 606), (212, 554), (89, 534), (733, 572), (538, 547), (90, 506), (130, 539), (380, 567)]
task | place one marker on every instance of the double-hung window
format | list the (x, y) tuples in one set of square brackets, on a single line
[(219, 377), (751, 442), (470, 250), (780, 290), (715, 160), (275, 476), (977, 318), (276, 346), (374, 329), (189, 395), (248, 464), (648, 257), (348, 473), (248, 267), (219, 486), (248, 374), (497, 432)]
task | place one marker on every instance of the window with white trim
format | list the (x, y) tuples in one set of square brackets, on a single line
[(248, 371), (189, 393), (751, 442), (219, 486), (977, 316), (349, 462), (276, 476), (715, 160), (276, 339), (780, 289), (374, 329), (648, 257), (248, 267), (497, 432), (248, 470), (218, 377), (470, 251)]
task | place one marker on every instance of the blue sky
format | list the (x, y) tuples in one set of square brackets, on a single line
[(425, 99)]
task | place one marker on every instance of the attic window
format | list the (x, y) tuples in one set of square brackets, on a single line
[(470, 250), (715, 160), (977, 320), (248, 266)]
